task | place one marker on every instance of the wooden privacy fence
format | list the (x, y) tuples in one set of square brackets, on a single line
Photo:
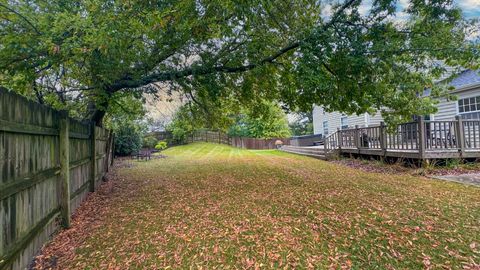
[(209, 136), (253, 143), (48, 164), (421, 139), (241, 142), (161, 135)]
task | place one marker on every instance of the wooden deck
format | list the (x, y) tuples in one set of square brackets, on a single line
[(416, 140)]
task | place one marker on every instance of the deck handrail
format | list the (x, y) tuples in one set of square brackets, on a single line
[(420, 138)]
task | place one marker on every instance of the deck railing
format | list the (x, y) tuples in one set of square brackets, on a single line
[(331, 142), (422, 138), (471, 134), (405, 137), (441, 135)]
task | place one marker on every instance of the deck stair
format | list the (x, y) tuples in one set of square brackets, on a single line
[(315, 152)]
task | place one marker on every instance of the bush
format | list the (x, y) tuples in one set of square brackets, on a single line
[(149, 142), (128, 140), (161, 145)]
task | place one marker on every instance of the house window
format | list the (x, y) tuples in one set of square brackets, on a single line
[(325, 128), (469, 108), (344, 122)]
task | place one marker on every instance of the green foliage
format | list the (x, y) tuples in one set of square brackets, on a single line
[(301, 128), (125, 119), (81, 55), (161, 145), (453, 163), (128, 139), (149, 142), (265, 120), (183, 124), (303, 124)]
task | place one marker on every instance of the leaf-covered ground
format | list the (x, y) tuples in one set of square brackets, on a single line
[(209, 206)]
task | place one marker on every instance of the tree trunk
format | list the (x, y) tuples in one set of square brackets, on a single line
[(98, 108), (97, 117)]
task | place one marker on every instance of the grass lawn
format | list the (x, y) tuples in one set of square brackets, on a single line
[(212, 206)]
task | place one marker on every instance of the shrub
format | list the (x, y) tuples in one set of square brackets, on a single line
[(161, 145), (149, 142), (128, 140)]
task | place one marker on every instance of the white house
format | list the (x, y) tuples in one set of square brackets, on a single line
[(467, 89)]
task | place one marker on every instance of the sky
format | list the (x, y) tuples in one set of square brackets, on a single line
[(471, 8)]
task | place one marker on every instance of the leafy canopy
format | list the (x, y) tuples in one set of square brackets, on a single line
[(86, 52)]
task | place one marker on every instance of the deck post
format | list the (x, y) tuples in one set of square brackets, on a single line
[(64, 144), (93, 156), (383, 138), (421, 138), (460, 136), (339, 139), (357, 138)]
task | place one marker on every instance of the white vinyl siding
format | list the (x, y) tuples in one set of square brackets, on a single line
[(335, 120), (375, 120), (448, 109)]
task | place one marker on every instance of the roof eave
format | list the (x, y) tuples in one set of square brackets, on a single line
[(466, 87)]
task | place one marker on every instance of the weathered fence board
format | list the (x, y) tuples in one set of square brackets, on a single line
[(30, 169)]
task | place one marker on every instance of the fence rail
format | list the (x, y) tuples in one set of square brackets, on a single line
[(420, 139), (48, 164)]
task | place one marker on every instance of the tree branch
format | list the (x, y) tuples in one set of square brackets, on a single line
[(21, 16), (201, 70)]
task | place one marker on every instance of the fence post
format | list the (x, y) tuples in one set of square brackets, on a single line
[(64, 169), (460, 135), (113, 149), (383, 137), (421, 137), (93, 156)]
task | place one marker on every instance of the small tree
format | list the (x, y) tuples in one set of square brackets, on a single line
[(184, 123), (128, 140), (149, 142), (265, 120), (302, 124)]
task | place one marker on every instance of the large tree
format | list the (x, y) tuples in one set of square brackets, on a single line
[(298, 51)]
